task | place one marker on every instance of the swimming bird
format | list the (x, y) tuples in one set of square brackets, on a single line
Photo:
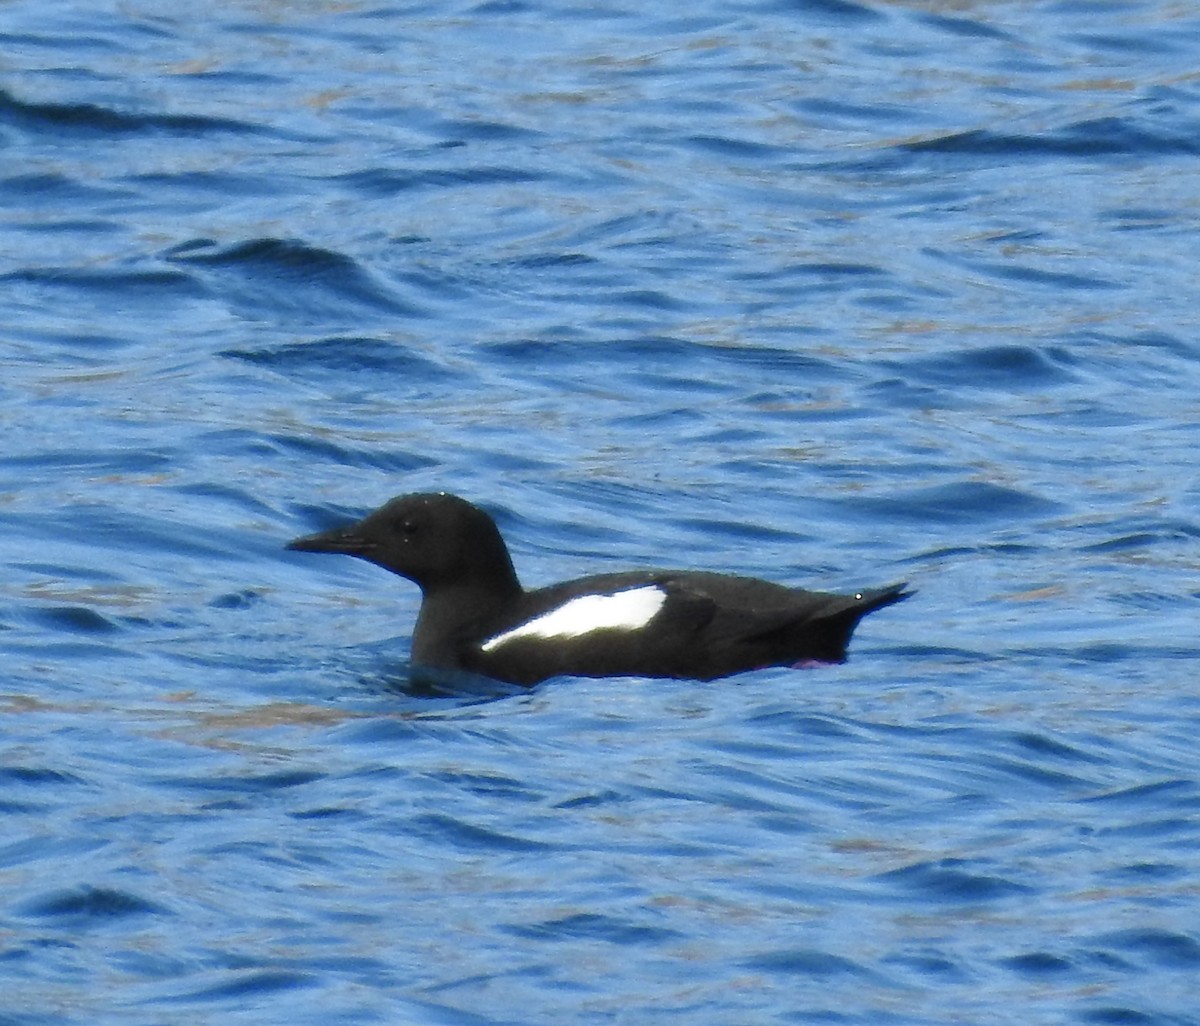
[(476, 617)]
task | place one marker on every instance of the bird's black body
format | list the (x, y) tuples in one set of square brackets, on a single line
[(476, 617)]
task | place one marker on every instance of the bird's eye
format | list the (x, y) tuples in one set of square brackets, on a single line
[(408, 527)]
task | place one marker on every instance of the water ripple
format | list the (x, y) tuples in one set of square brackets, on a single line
[(952, 880), (90, 118), (294, 274), (90, 905), (1100, 137)]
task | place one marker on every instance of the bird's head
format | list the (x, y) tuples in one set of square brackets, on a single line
[(435, 540)]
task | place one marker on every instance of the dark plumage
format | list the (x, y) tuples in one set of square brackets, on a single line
[(476, 617)]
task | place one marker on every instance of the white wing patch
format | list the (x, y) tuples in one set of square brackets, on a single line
[(622, 610)]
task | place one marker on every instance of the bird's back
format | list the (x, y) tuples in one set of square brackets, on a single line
[(683, 624)]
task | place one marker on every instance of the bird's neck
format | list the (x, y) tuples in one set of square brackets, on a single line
[(453, 616)]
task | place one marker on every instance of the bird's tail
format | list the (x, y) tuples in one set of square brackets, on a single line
[(880, 597), (838, 621)]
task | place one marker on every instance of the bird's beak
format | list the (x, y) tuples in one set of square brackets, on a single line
[(348, 540)]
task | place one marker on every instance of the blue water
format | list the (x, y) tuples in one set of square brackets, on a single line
[(834, 293)]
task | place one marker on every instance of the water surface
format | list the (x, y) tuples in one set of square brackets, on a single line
[(832, 293)]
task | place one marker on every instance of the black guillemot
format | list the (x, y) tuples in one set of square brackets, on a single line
[(475, 617)]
